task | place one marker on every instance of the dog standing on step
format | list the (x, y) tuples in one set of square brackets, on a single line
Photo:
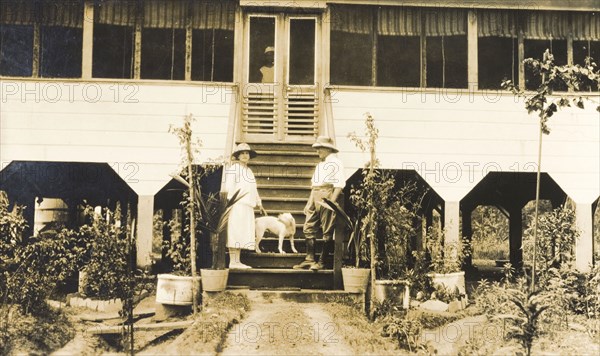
[(283, 226)]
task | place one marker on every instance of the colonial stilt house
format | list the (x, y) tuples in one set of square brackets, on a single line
[(89, 89)]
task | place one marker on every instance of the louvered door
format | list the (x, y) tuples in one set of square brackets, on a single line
[(301, 113), (280, 94)]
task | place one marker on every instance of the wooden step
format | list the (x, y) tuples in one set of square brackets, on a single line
[(257, 278), (284, 204), (292, 163), (284, 146), (289, 170), (267, 179), (271, 244), (293, 194), (272, 259)]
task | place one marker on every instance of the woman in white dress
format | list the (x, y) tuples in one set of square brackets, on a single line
[(240, 227)]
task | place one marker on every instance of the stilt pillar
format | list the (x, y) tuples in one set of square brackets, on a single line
[(467, 232), (584, 245), (515, 236), (143, 244), (451, 220)]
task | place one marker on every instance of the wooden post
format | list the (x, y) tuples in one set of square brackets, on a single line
[(423, 52), (137, 46), (515, 231), (521, 56), (340, 235), (35, 65), (374, 48), (472, 55), (467, 231), (188, 43), (88, 40)]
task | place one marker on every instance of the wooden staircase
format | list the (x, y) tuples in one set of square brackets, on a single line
[(283, 172)]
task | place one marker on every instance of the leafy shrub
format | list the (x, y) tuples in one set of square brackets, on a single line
[(530, 307), (490, 234), (108, 250), (445, 294), (406, 330), (445, 257), (397, 226), (556, 238)]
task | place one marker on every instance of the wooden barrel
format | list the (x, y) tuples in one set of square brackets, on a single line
[(48, 211)]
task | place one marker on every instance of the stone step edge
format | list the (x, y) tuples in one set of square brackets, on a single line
[(278, 271)]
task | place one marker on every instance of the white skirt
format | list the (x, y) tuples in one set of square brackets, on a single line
[(240, 227)]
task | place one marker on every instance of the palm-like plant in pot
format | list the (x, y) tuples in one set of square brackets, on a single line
[(215, 209)]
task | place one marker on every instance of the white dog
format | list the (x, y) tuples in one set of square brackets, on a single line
[(283, 226)]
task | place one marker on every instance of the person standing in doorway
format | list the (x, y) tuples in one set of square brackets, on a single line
[(267, 71), (327, 181), (240, 226)]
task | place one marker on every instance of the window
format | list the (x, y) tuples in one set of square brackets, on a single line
[(351, 58), (582, 50), (396, 52), (262, 50), (61, 38), (16, 50), (497, 48), (395, 35), (498, 60), (212, 55), (544, 30), (302, 52), (60, 55), (447, 62), (446, 48), (586, 41), (163, 53), (113, 39), (163, 39), (535, 49)]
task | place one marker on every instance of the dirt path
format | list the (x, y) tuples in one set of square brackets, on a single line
[(284, 327)]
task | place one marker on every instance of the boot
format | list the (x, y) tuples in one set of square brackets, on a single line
[(327, 246), (310, 255), (234, 259)]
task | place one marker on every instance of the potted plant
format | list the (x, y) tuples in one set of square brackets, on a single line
[(446, 261), (215, 209), (177, 287), (206, 212), (366, 199)]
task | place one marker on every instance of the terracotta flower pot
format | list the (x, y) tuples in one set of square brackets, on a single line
[(214, 280), (356, 280)]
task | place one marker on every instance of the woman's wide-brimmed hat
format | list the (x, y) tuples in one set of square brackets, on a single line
[(327, 142), (243, 147)]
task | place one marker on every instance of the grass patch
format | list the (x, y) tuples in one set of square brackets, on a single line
[(361, 335), (40, 334), (212, 324)]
